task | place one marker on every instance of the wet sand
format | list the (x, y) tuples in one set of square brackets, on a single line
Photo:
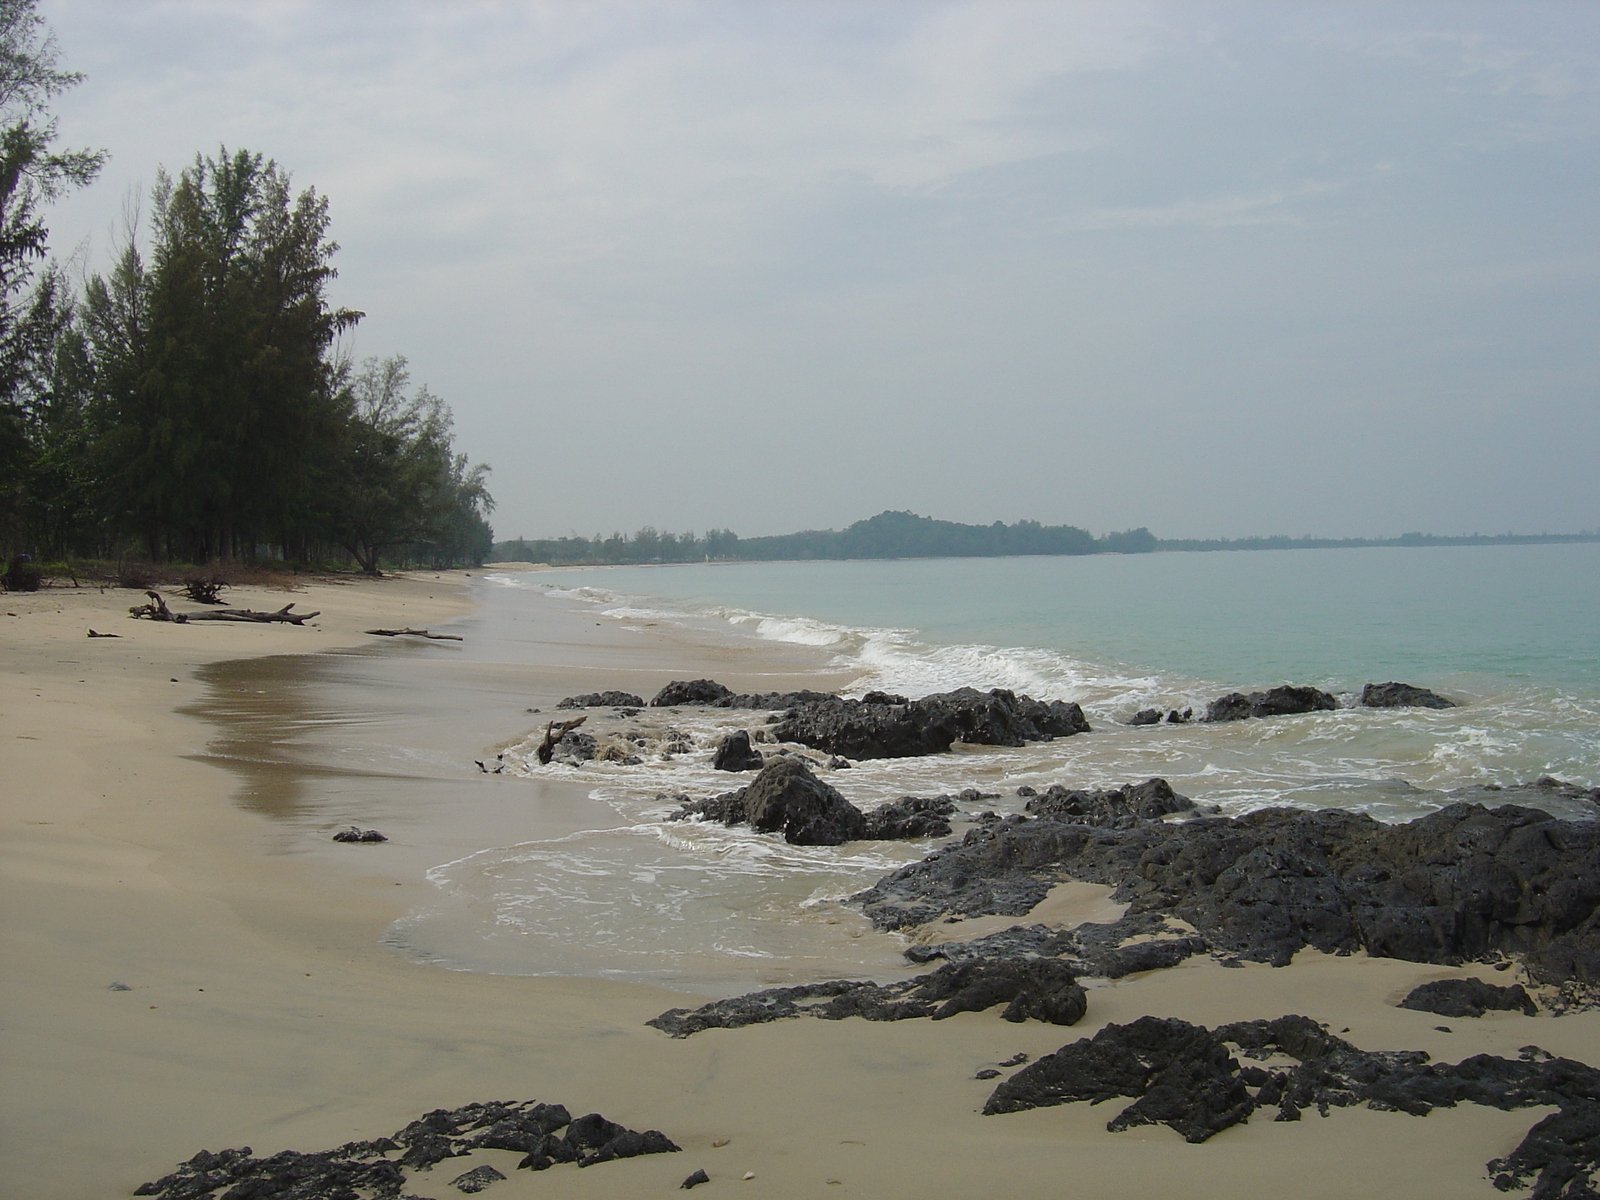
[(153, 839)]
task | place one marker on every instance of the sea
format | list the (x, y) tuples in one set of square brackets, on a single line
[(1511, 633)]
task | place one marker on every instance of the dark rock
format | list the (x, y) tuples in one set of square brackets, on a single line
[(693, 691), (734, 753), (1402, 695), (476, 1179), (1037, 989), (1468, 998), (786, 797), (1277, 702), (1091, 950), (603, 700), (1460, 884), (1146, 716), (838, 764), (359, 1168), (986, 1073), (872, 727), (1174, 717), (1186, 1077), (911, 817), (574, 747), (1118, 808), (352, 834), (1016, 1060), (695, 1180)]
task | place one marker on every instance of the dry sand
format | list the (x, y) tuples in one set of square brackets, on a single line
[(264, 1011)]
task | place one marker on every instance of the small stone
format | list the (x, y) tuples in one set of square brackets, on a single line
[(748, 1175), (695, 1180), (118, 986), (987, 1073), (476, 1179), (719, 1143), (1016, 1060), (1444, 1029)]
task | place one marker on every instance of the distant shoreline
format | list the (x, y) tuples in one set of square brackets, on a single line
[(905, 535)]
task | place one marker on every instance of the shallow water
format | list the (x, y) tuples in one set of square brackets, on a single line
[(1513, 633)]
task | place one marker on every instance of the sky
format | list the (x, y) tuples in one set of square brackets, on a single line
[(1217, 269)]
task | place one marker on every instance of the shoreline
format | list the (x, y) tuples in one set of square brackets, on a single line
[(265, 1011)]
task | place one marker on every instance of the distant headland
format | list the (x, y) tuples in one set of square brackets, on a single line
[(907, 535)]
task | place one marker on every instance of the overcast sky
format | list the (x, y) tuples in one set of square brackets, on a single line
[(1214, 268)]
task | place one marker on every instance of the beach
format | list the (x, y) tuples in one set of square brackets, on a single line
[(264, 1009)]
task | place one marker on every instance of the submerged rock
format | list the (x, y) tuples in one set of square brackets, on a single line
[(1036, 989), (1186, 1077), (1276, 702), (1146, 716), (1468, 998), (1402, 695), (1460, 884)]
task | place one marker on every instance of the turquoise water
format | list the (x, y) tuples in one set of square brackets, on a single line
[(1337, 618)]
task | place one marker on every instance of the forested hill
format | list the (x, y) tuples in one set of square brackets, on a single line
[(906, 535), (887, 535)]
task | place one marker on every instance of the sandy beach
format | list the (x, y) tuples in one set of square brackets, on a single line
[(263, 1009)]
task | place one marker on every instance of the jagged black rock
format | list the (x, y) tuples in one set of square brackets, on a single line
[(526, 1127), (1187, 1077)]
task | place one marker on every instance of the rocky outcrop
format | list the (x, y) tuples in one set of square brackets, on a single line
[(884, 726), (1462, 884), (785, 797), (691, 691), (1186, 1077), (709, 693), (1036, 989), (1402, 695), (1140, 942), (1276, 702), (1118, 808), (1146, 716), (1469, 998), (354, 833), (379, 1167), (911, 817), (734, 753), (603, 700)]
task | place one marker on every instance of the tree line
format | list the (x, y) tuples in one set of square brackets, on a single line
[(192, 402)]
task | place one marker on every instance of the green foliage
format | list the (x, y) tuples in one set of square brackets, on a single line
[(32, 306)]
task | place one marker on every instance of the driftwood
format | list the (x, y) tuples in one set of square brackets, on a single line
[(423, 633), (157, 610), (97, 633), (553, 733), (245, 614)]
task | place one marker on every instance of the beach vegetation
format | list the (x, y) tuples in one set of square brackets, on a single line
[(191, 403)]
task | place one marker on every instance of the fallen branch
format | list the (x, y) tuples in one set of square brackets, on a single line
[(157, 610), (244, 614), (553, 733), (438, 637), (96, 633)]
